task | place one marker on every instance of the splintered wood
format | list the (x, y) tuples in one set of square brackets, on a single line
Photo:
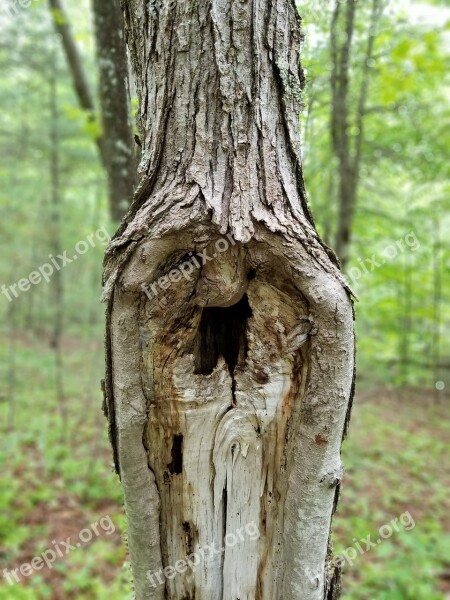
[(228, 394), (224, 369)]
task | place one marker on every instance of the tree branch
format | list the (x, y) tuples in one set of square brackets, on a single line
[(115, 143), (80, 80)]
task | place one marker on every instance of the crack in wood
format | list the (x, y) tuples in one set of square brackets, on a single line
[(176, 466)]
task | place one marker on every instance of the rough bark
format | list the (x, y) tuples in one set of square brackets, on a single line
[(115, 144), (228, 390)]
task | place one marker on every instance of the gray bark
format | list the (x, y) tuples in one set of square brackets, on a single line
[(228, 391)]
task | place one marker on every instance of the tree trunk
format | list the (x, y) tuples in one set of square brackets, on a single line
[(340, 122), (57, 286), (118, 142), (437, 296), (230, 353), (347, 145), (115, 144), (12, 367)]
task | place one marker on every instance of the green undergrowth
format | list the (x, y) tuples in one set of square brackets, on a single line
[(57, 479)]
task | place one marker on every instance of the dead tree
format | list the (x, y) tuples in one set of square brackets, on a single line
[(230, 350)]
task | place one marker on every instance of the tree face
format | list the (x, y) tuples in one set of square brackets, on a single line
[(225, 370), (231, 382), (230, 339)]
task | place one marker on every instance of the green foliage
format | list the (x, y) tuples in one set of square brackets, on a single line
[(403, 331), (53, 473), (396, 456)]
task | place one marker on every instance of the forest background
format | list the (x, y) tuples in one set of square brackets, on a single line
[(375, 136)]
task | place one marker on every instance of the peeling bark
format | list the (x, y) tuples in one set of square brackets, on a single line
[(230, 352)]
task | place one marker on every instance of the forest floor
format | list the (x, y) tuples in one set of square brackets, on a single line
[(57, 481), (397, 461)]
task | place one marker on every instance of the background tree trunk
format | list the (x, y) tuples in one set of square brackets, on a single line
[(437, 295), (348, 134), (55, 240), (230, 353), (115, 144), (118, 143)]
